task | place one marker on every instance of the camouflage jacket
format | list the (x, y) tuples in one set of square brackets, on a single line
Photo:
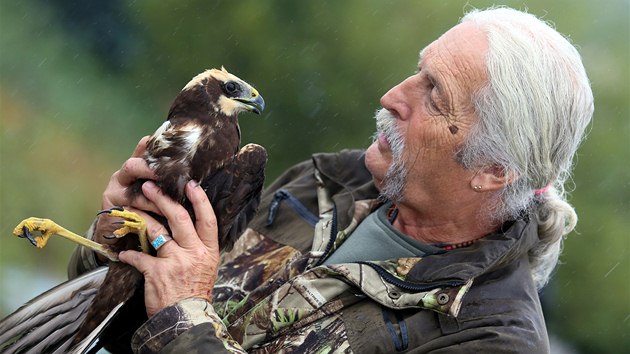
[(274, 295)]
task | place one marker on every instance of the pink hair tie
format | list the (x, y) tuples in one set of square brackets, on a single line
[(543, 190)]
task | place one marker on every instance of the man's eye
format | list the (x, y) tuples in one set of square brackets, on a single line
[(432, 101)]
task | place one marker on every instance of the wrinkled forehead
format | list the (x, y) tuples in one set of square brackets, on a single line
[(423, 53), (464, 39), (458, 55)]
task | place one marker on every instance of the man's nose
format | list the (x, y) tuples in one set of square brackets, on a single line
[(395, 102)]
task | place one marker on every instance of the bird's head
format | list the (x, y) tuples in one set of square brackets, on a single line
[(230, 95)]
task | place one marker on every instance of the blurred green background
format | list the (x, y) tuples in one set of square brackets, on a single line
[(81, 82)]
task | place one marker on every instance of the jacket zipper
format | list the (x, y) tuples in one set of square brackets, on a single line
[(332, 239), (408, 285)]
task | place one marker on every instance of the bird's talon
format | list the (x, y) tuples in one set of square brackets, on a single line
[(110, 210), (27, 233), (132, 223), (44, 227), (23, 233)]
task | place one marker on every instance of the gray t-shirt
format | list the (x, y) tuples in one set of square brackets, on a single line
[(375, 239)]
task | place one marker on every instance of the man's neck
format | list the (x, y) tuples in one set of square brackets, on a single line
[(447, 227)]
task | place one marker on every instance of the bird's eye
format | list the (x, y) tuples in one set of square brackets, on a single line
[(231, 87)]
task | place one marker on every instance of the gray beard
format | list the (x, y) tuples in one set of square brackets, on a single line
[(396, 175)]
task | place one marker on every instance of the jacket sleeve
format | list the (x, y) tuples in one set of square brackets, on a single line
[(189, 326)]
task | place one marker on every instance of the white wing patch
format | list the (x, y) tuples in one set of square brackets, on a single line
[(187, 139), (191, 133), (192, 138), (160, 141)]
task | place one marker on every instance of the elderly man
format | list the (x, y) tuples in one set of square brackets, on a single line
[(436, 238)]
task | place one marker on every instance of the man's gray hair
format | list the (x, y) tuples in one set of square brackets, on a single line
[(533, 114)]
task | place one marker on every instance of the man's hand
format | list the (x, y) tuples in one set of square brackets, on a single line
[(185, 267), (115, 194), (133, 169)]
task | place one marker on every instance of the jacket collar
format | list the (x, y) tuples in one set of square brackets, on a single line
[(347, 180), (512, 241)]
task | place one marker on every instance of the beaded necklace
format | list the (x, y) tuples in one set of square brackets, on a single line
[(448, 247)]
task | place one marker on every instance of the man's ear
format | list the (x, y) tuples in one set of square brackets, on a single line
[(492, 179)]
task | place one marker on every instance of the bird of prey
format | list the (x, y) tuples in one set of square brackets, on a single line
[(200, 140)]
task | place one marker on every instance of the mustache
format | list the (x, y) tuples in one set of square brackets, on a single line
[(384, 120), (396, 175), (386, 125)]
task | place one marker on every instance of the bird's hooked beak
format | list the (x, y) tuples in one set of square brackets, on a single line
[(252, 100)]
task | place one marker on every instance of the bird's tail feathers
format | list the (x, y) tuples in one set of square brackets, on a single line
[(89, 341)]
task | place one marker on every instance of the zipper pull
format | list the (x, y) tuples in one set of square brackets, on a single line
[(278, 197)]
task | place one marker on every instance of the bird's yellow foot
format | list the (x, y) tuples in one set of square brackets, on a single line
[(132, 223), (47, 228)]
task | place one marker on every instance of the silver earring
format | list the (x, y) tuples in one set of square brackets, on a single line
[(477, 187)]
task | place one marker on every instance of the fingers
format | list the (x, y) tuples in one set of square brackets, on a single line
[(206, 221), (141, 147), (134, 168), (141, 261), (178, 219), (156, 229)]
